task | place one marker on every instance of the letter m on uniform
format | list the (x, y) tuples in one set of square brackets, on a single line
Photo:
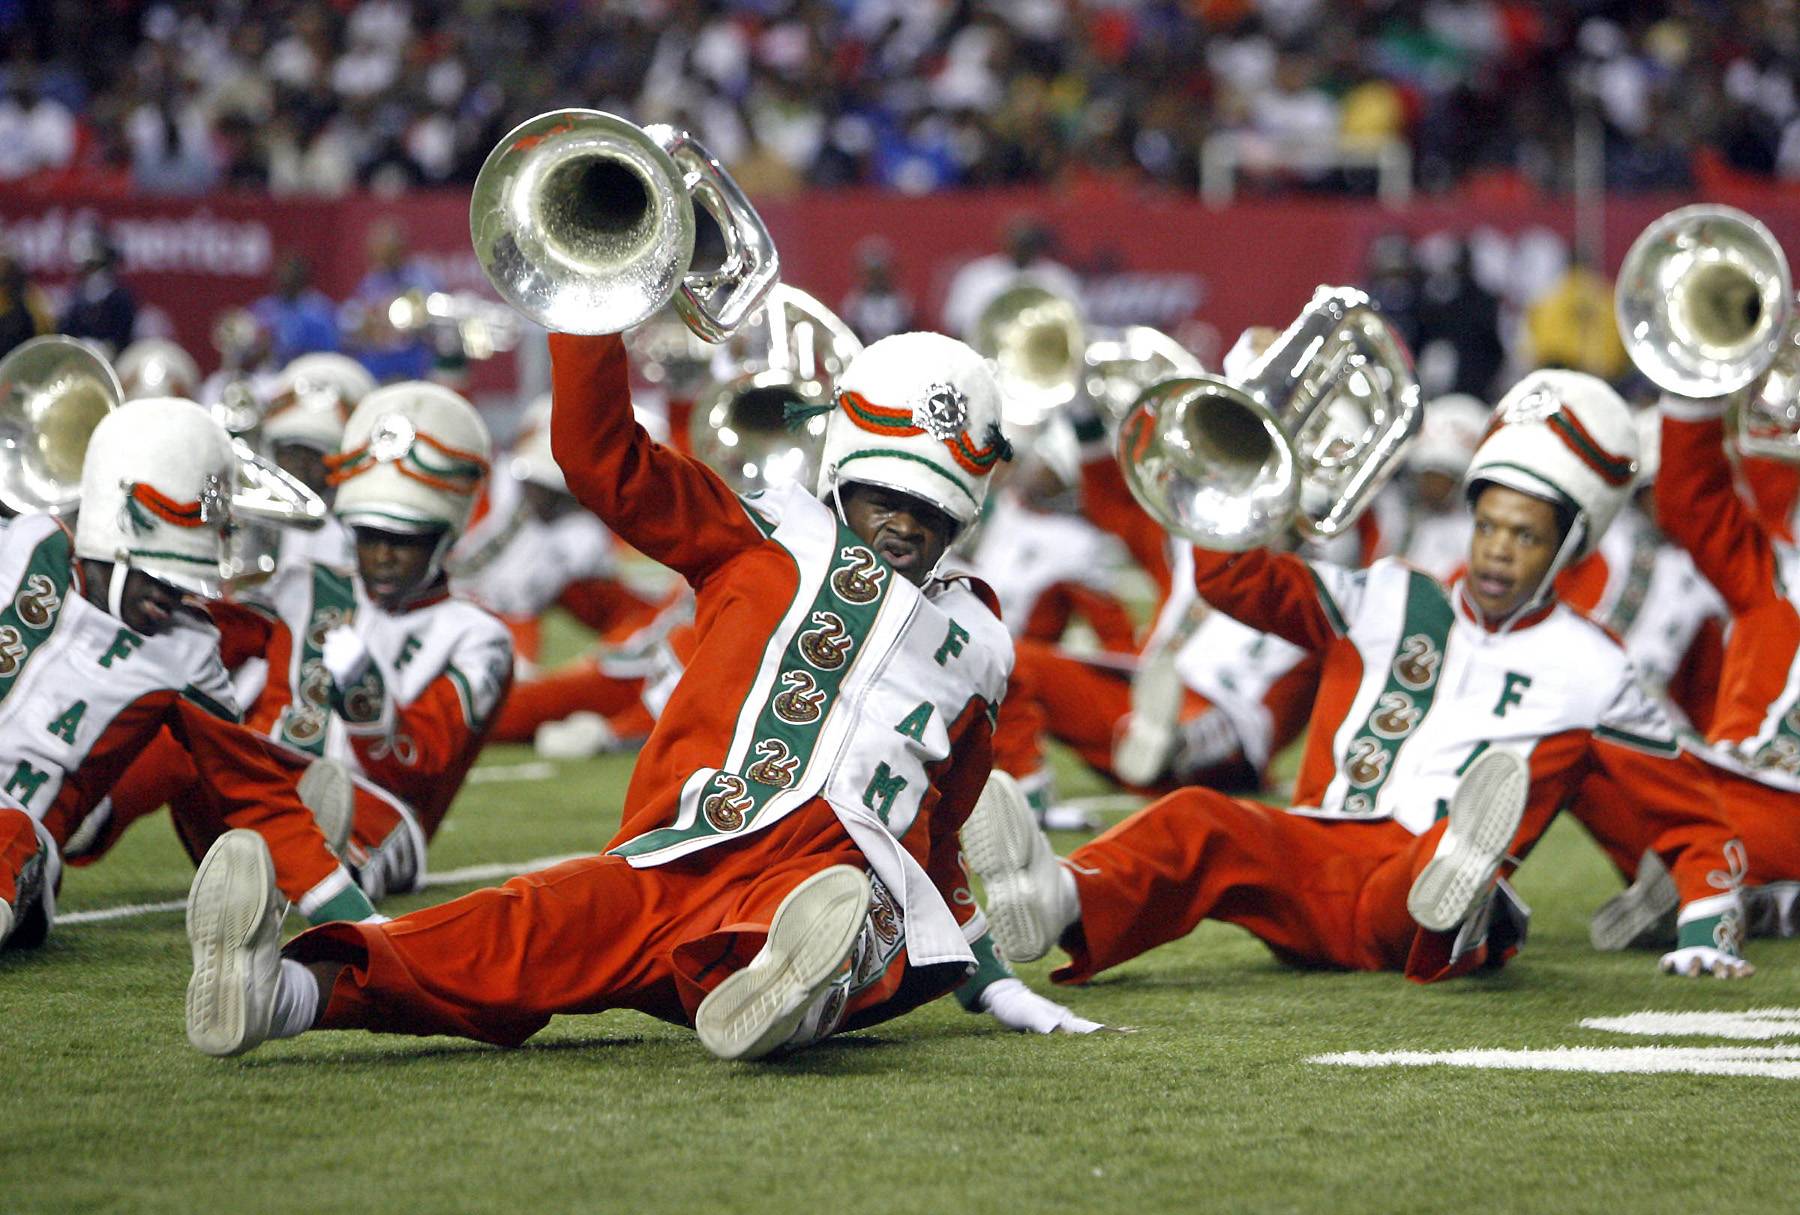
[(883, 788)]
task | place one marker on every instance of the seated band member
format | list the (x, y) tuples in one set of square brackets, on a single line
[(1754, 734), (788, 862), (1450, 725), (309, 402), (104, 644)]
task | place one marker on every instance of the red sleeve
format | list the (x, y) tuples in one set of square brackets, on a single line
[(1271, 592), (603, 604), (244, 632), (1698, 509), (669, 507), (432, 744), (1107, 501)]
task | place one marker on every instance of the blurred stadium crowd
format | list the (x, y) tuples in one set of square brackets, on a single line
[(324, 96)]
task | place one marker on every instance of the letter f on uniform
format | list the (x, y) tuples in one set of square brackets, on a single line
[(1513, 693)]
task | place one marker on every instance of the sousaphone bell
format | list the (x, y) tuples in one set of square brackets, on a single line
[(585, 223), (1313, 431), (53, 392)]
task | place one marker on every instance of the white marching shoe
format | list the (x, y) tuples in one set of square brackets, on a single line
[(234, 914), (1642, 915), (1484, 815), (327, 790), (1019, 869), (760, 1008)]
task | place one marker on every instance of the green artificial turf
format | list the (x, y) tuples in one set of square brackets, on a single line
[(1210, 1106)]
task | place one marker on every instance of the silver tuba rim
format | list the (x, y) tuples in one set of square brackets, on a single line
[(1667, 266), (531, 252), (32, 480)]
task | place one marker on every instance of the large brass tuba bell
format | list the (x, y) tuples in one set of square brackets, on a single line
[(1035, 338), (786, 357), (585, 223), (1703, 300), (1314, 430), (53, 392)]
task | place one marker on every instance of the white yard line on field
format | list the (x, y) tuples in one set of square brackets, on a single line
[(449, 877), (1775, 1062), (491, 774)]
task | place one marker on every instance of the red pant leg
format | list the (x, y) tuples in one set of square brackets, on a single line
[(1691, 842), (249, 781), (19, 843), (1302, 886), (581, 937), (1767, 820), (162, 774), (577, 687)]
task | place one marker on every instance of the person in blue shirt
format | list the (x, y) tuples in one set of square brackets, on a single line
[(296, 318)]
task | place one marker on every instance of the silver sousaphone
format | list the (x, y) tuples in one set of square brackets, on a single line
[(1704, 300), (786, 358), (1313, 431), (585, 223), (53, 392)]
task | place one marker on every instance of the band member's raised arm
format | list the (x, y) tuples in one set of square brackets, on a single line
[(670, 508), (1278, 593), (1699, 510)]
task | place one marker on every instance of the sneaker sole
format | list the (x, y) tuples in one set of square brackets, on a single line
[(229, 909), (811, 935), (998, 840), (1484, 815), (327, 790), (1636, 910)]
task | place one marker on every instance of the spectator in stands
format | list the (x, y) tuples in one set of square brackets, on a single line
[(100, 306), (296, 317), (23, 313)]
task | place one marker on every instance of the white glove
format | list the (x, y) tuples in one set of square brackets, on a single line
[(1697, 960), (1016, 1006), (344, 655)]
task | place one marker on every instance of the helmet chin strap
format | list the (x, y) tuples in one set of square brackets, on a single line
[(115, 588)]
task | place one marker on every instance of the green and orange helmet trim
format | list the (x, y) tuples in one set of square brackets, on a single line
[(413, 454), (940, 416)]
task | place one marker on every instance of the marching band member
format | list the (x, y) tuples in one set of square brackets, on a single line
[(1754, 734), (788, 863), (1451, 725), (103, 645), (386, 671)]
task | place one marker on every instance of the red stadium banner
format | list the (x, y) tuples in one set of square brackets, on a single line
[(1144, 257)]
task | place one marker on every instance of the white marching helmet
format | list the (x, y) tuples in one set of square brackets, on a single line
[(918, 413), (1449, 432), (312, 397), (414, 458), (157, 367), (531, 459), (1567, 438), (156, 489)]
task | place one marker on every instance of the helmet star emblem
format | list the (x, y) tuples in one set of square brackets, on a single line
[(943, 413)]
